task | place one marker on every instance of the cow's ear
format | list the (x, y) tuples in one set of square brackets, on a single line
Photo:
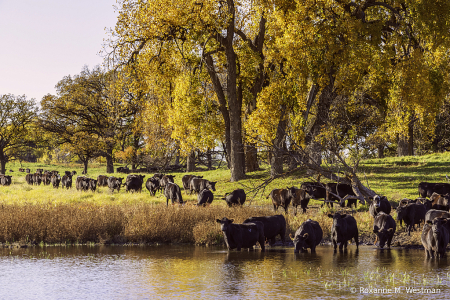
[(306, 235), (375, 229), (384, 197), (343, 216), (429, 222), (444, 220), (231, 221), (330, 216), (218, 221), (390, 229)]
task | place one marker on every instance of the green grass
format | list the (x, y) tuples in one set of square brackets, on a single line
[(395, 177)]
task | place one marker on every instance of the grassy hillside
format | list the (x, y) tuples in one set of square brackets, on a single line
[(396, 178)]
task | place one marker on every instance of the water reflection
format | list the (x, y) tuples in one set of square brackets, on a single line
[(198, 272)]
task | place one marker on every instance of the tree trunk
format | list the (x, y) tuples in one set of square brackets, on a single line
[(109, 161), (251, 158), (209, 159), (411, 137), (3, 166), (276, 163), (190, 165), (380, 151), (293, 159), (85, 164), (402, 146)]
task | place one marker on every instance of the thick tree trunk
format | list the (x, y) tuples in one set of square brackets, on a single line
[(109, 161), (276, 163), (402, 146), (380, 151), (190, 165), (2, 166), (85, 166), (251, 158), (209, 159)]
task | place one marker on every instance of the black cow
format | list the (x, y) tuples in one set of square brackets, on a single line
[(242, 235), (279, 198), (123, 170), (298, 197), (343, 230), (82, 183), (165, 180), (308, 235), (273, 226), (186, 180), (439, 201), (37, 179), (5, 180), (66, 181), (315, 190), (102, 180), (412, 214), (73, 173), (436, 213), (29, 178), (92, 184), (134, 183), (67, 173), (435, 237), (199, 184), (384, 226), (379, 204), (342, 190), (114, 183), (426, 189), (173, 192), (236, 197), (27, 170), (46, 178), (21, 170), (55, 179), (205, 197), (152, 185)]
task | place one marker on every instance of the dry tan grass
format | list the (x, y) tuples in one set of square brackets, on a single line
[(137, 223)]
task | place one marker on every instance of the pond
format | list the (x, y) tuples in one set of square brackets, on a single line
[(185, 272)]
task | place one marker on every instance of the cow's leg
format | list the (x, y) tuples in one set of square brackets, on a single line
[(334, 244)]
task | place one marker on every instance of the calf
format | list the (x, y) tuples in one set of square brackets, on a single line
[(343, 230), (55, 179), (236, 197), (134, 183), (439, 201), (205, 197), (435, 237), (5, 180), (152, 185), (66, 181), (280, 198), (342, 190), (199, 184), (436, 213), (242, 235), (114, 183), (384, 226), (308, 235), (173, 192), (273, 226), (379, 204), (92, 184), (186, 180), (298, 197), (412, 214), (102, 180)]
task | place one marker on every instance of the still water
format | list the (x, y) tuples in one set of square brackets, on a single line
[(189, 272)]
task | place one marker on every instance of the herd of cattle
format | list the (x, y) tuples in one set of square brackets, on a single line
[(431, 208), (432, 212)]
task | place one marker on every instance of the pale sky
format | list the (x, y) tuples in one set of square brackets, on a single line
[(41, 41)]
